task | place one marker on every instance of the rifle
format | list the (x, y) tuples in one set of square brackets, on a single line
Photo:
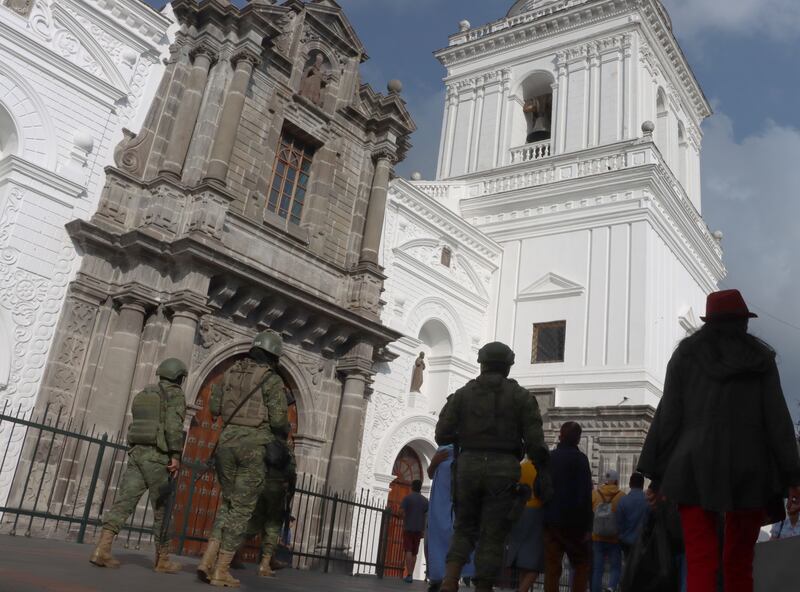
[(167, 493)]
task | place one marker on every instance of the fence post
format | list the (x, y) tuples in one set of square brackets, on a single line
[(92, 486), (330, 532), (383, 542)]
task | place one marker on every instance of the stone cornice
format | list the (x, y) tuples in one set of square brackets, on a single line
[(131, 21), (427, 209), (557, 19), (36, 174), (65, 71)]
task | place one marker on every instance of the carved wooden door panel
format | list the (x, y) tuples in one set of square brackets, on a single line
[(406, 469)]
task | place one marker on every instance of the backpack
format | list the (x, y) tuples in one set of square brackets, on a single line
[(147, 411), (605, 522)]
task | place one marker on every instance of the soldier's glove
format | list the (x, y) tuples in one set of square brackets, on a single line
[(277, 455)]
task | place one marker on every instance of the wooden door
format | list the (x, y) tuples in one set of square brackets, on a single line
[(407, 468), (197, 497)]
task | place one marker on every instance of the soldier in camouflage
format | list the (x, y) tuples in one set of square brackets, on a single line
[(492, 421), (156, 442), (240, 453), (270, 513)]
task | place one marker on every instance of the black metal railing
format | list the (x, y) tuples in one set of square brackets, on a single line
[(59, 481)]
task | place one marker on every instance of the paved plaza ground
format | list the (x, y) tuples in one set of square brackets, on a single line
[(40, 565)]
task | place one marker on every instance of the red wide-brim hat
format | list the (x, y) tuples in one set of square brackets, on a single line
[(725, 305)]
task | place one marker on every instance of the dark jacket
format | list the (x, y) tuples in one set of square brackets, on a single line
[(571, 504), (722, 437)]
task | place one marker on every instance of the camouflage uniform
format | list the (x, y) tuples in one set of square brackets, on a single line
[(270, 513), (147, 468), (240, 456), (493, 421)]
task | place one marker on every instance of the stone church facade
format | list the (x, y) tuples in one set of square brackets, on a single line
[(253, 197), (570, 152)]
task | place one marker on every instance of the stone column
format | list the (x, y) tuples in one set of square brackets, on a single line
[(229, 121), (629, 72), (180, 339), (452, 114), (112, 390), (343, 466), (477, 122), (188, 111), (560, 139), (371, 243), (593, 135), (504, 111)]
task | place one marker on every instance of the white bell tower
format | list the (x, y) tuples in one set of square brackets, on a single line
[(571, 137)]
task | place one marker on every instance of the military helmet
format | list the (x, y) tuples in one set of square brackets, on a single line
[(172, 369), (496, 352), (270, 342)]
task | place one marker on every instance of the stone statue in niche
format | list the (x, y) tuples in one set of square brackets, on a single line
[(418, 376), (537, 112), (315, 78)]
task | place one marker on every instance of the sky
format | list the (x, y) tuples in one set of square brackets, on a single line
[(743, 52)]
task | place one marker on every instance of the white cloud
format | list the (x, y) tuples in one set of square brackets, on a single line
[(752, 193), (777, 18)]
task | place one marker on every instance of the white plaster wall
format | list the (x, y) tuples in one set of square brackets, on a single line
[(72, 74)]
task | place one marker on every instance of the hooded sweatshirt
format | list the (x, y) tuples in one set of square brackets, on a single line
[(610, 492)]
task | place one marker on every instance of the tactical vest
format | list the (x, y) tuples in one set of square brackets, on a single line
[(147, 410), (238, 382), (489, 418)]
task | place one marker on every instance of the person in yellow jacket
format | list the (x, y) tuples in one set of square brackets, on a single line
[(605, 532), (526, 543)]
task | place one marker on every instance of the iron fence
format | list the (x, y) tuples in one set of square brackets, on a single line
[(59, 480)]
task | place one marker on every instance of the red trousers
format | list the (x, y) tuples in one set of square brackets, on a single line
[(702, 548)]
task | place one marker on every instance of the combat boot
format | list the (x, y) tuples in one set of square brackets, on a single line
[(102, 552), (163, 563), (208, 561), (452, 573), (265, 567), (222, 576), (277, 565)]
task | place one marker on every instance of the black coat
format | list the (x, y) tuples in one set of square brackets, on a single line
[(722, 437), (571, 504)]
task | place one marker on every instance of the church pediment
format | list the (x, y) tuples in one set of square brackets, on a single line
[(550, 285), (428, 253), (330, 15)]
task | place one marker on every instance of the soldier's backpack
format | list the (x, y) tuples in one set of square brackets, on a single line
[(147, 410), (605, 522)]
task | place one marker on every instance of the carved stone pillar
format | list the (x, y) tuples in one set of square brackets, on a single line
[(112, 389), (452, 114), (229, 121), (180, 339), (191, 100), (343, 467), (560, 139), (371, 243)]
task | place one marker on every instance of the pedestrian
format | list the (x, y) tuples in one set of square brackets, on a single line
[(492, 421), (722, 442), (631, 513), (440, 519), (568, 515), (605, 533), (156, 441), (251, 390), (271, 510), (414, 511), (526, 542), (787, 528)]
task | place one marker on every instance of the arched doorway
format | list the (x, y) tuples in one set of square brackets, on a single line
[(197, 496), (407, 468)]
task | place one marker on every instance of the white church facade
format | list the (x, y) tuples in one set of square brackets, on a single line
[(567, 206), (73, 74)]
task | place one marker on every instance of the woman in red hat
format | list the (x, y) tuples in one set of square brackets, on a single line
[(723, 442)]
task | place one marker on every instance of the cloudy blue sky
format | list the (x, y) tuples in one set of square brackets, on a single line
[(745, 54)]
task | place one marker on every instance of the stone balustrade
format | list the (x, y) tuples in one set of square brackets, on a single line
[(535, 151)]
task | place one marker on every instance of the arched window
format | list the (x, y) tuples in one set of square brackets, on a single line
[(9, 139)]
